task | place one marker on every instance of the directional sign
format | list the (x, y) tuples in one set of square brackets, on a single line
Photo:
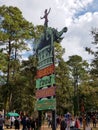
[(46, 71), (47, 92), (45, 81), (46, 104)]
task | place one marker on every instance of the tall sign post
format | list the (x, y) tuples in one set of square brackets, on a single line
[(45, 77)]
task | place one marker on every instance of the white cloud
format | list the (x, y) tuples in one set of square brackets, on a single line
[(62, 14), (78, 36)]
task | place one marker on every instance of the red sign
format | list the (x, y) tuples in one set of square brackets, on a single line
[(46, 71), (47, 92)]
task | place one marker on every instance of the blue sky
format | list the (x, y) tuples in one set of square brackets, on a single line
[(80, 16), (92, 7)]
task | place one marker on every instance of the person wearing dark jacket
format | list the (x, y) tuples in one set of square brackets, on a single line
[(1, 122), (24, 123), (63, 123), (33, 124), (16, 124), (28, 123)]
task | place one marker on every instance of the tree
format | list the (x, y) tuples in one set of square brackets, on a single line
[(63, 90), (78, 75), (24, 87), (93, 50), (14, 31)]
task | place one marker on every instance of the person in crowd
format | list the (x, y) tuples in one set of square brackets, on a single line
[(50, 122), (28, 123), (33, 124), (68, 117), (63, 123), (77, 123), (37, 123), (87, 120), (12, 118), (7, 122), (57, 121), (24, 123), (94, 120), (81, 122), (1, 122), (17, 124), (72, 123)]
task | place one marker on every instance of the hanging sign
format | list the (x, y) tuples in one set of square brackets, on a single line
[(46, 92), (45, 81), (46, 71), (46, 104)]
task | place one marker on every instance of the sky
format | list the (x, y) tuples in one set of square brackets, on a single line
[(79, 16)]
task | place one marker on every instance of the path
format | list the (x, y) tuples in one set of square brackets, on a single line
[(45, 127)]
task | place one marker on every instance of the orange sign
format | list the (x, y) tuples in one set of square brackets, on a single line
[(47, 92), (46, 71)]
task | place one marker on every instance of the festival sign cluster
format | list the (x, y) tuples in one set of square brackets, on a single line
[(45, 82)]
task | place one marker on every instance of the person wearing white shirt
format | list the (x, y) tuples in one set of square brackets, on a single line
[(72, 123)]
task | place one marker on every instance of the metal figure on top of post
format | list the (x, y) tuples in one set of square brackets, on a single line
[(49, 36), (46, 17)]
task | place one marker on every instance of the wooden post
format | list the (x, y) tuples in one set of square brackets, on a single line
[(53, 120), (39, 119)]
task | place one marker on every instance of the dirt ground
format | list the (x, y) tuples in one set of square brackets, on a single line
[(45, 127)]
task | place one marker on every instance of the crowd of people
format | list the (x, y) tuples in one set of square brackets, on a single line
[(66, 121), (29, 123), (63, 122), (25, 122), (70, 122)]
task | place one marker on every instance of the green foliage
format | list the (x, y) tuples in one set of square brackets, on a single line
[(94, 70), (38, 31), (13, 25), (14, 31), (58, 52), (63, 91), (78, 75)]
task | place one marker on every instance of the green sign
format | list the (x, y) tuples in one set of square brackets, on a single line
[(45, 81), (46, 104)]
